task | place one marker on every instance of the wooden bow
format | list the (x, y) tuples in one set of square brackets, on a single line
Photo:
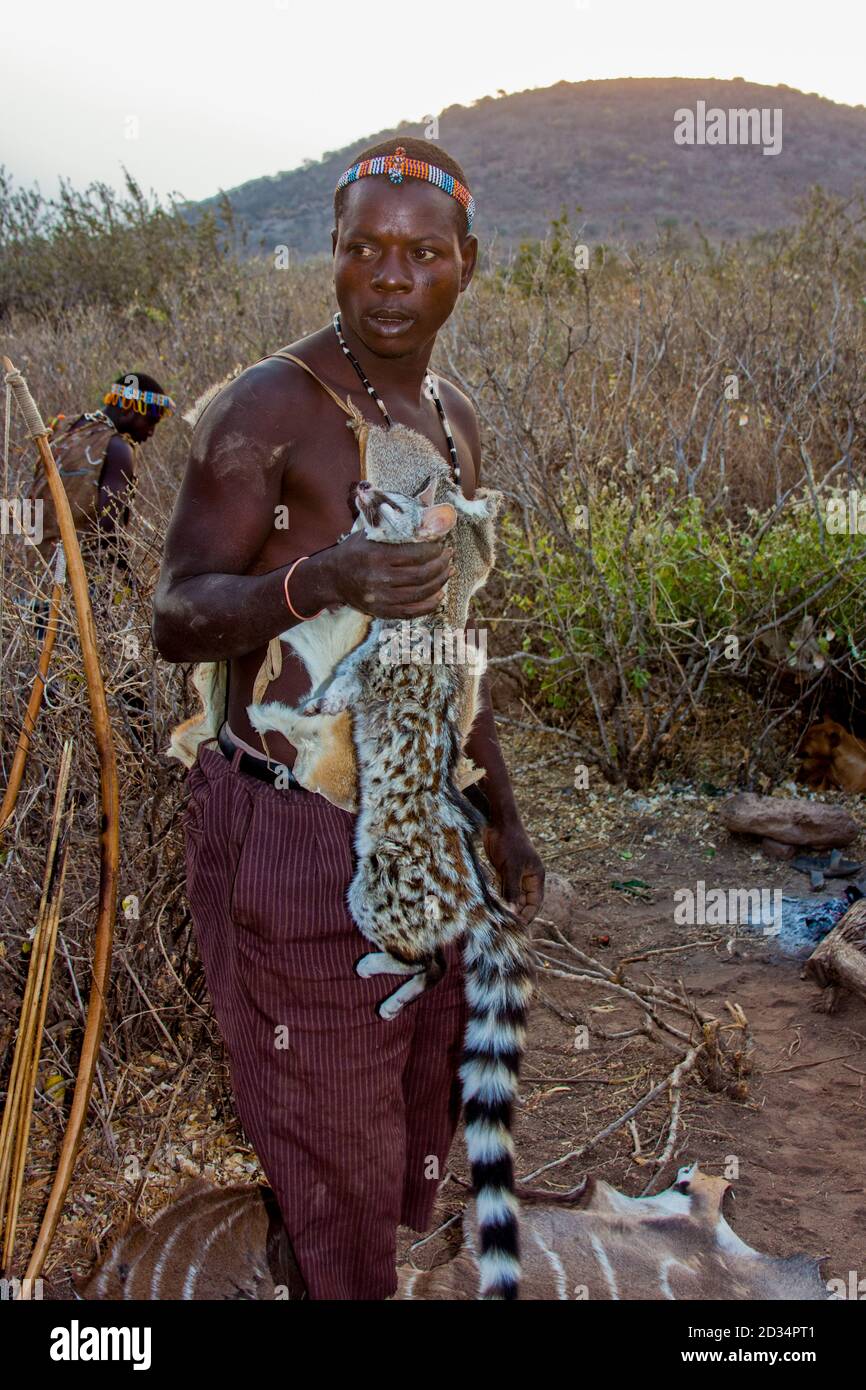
[(109, 840)]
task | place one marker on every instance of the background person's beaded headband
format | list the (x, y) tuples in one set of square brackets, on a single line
[(399, 166), (142, 401)]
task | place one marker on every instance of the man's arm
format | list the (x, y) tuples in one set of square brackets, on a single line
[(482, 746), (207, 607), (112, 513)]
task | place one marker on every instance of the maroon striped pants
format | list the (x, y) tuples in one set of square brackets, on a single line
[(352, 1117)]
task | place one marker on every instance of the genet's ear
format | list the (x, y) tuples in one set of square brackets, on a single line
[(437, 521), (426, 496)]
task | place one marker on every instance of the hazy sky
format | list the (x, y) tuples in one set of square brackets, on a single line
[(194, 96)]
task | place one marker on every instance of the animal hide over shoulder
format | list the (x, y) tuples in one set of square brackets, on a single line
[(400, 460)]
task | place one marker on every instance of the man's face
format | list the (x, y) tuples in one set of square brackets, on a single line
[(140, 427), (400, 261)]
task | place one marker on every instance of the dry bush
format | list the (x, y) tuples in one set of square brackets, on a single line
[(657, 516)]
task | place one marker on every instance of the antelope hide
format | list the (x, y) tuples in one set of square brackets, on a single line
[(229, 1243)]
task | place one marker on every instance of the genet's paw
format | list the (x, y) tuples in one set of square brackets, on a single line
[(333, 703), (261, 717), (333, 700), (276, 716)]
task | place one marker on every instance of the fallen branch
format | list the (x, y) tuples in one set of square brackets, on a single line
[(666, 951), (707, 1054), (680, 1069), (630, 994), (803, 1066)]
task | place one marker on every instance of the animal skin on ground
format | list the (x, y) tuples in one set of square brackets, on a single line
[(220, 1243)]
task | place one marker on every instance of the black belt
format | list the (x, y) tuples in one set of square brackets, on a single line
[(254, 767)]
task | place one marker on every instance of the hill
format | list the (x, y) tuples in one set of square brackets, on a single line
[(607, 147)]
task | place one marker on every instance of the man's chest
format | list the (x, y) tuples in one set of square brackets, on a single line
[(320, 465)]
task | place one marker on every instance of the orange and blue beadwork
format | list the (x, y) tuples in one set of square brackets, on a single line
[(398, 165), (143, 402)]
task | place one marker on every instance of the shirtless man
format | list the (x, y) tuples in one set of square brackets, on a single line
[(352, 1117)]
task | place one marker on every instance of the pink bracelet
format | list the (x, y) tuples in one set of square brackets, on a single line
[(286, 591)]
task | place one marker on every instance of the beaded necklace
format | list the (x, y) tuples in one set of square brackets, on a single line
[(429, 382)]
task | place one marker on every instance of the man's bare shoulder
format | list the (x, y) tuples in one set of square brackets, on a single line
[(119, 453), (262, 409)]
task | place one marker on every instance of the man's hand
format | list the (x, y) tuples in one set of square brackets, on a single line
[(521, 872), (391, 581)]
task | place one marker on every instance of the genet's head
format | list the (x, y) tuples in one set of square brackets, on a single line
[(128, 408), (403, 250), (395, 518)]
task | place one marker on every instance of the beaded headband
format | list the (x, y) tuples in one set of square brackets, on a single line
[(141, 401), (398, 166)]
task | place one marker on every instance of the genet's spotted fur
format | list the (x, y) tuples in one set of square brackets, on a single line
[(419, 883)]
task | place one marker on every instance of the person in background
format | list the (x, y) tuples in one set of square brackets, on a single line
[(96, 455)]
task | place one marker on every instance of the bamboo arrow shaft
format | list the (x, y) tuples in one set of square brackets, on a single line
[(33, 1021), (33, 707), (109, 839)]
